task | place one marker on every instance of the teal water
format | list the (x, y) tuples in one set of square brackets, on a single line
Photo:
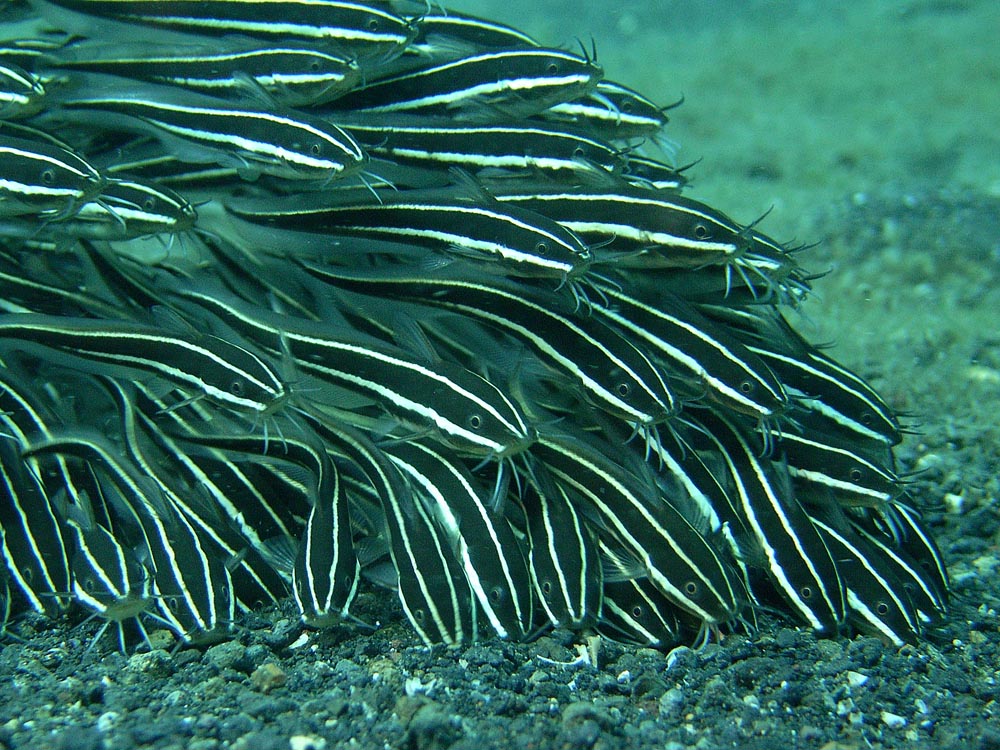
[(790, 103)]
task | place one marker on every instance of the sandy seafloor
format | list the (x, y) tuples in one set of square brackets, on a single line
[(872, 128)]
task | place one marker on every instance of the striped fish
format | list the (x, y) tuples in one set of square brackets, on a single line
[(824, 387), (140, 209), (441, 33), (652, 174), (877, 601), (520, 242), (26, 412), (922, 587), (241, 482), (640, 228), (438, 143), (482, 540), (293, 76), (145, 159), (32, 543), (357, 28), (228, 375), (839, 395), (611, 372), (129, 284), (634, 609), (562, 553), (515, 82), (900, 522), (43, 179), (612, 110), (797, 559), (327, 572), (24, 52), (24, 289), (463, 409), (192, 587), (108, 579), (688, 476), (697, 350), (5, 603), (253, 579), (827, 461), (436, 597), (124, 210), (21, 92), (433, 590), (201, 129), (663, 543)]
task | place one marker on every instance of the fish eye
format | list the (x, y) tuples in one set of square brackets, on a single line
[(637, 611), (701, 232), (27, 574), (89, 584), (626, 106), (866, 418), (48, 176), (172, 604), (496, 595), (419, 615), (553, 68), (149, 204), (882, 609), (855, 475), (475, 421), (806, 592), (546, 588), (623, 389), (236, 387), (314, 66), (691, 588), (578, 152), (372, 24), (225, 594), (542, 248), (315, 149), (746, 387)]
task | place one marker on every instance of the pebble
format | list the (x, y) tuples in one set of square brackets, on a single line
[(477, 655), (855, 679), (267, 677), (228, 655), (306, 742), (893, 721), (233, 727), (432, 727), (79, 738), (581, 711), (671, 702), (107, 721), (148, 664)]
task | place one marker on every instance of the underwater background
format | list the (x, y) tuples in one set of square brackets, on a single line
[(869, 128)]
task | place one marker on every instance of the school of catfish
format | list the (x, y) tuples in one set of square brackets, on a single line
[(300, 297)]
